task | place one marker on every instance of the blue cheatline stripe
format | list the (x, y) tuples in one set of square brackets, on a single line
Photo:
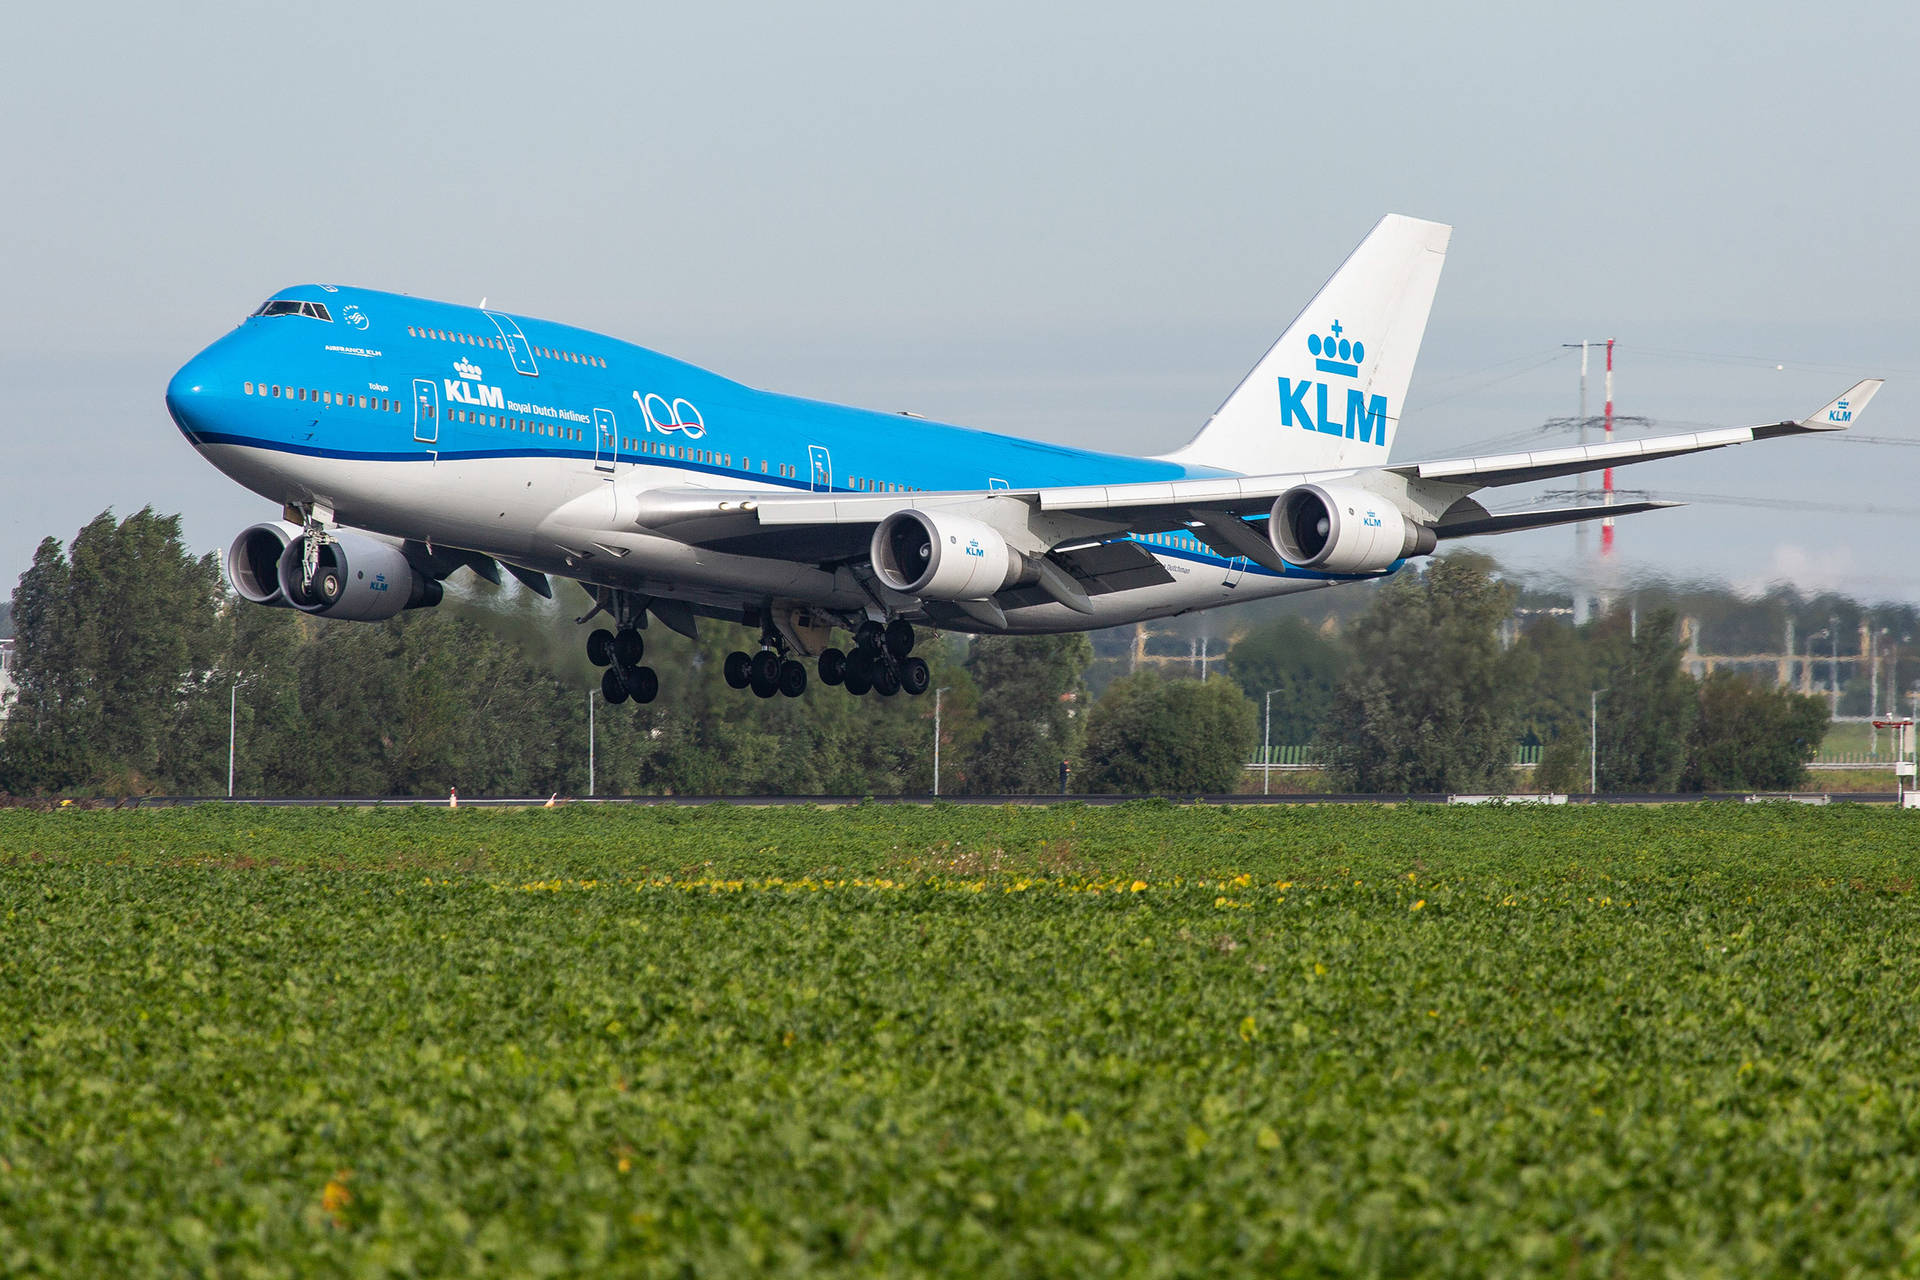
[(650, 460)]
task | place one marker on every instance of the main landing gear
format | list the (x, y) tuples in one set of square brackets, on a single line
[(767, 672), (620, 653), (879, 663)]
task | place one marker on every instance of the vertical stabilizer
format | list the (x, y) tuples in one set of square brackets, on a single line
[(1329, 393)]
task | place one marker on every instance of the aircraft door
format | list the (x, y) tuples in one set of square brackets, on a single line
[(821, 480), (606, 443), (426, 410), (517, 345), (1236, 568)]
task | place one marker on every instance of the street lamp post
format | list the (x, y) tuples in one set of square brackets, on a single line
[(1593, 743), (233, 722), (1266, 747), (589, 744), (1833, 669), (936, 737)]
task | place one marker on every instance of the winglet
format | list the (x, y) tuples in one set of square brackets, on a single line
[(1839, 415)]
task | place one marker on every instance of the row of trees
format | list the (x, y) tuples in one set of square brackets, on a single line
[(1431, 700), (131, 657)]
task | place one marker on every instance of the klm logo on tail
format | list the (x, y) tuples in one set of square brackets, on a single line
[(1840, 413), (1366, 416)]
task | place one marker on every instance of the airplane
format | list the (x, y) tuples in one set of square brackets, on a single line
[(407, 439)]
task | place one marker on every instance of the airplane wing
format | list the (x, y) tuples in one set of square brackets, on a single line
[(1068, 543)]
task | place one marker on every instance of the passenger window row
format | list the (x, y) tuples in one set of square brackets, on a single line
[(343, 399), (468, 339), (557, 431)]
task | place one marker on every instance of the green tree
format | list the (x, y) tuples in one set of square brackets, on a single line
[(1648, 704), (1146, 734), (1430, 701), (117, 634), (1751, 734), (1031, 690), (1300, 665)]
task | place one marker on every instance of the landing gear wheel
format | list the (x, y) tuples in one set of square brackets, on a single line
[(885, 682), (611, 687), (764, 668), (833, 666), (328, 587), (738, 669), (641, 682), (628, 647), (600, 647), (914, 676), (899, 637), (793, 678), (764, 688), (868, 636), (857, 682)]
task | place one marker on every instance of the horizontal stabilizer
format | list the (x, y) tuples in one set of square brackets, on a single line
[(1474, 525)]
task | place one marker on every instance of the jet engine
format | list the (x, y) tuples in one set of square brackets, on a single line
[(1337, 529), (357, 578), (253, 562), (942, 556)]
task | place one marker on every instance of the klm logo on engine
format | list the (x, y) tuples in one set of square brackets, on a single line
[(974, 548), (470, 390), (1315, 406)]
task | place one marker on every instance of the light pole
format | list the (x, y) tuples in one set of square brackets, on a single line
[(589, 744), (1593, 743), (233, 722), (1833, 670), (1266, 746), (936, 737)]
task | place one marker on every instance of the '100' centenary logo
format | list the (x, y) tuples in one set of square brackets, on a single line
[(668, 416)]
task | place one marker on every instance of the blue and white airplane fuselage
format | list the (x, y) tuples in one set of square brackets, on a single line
[(471, 437)]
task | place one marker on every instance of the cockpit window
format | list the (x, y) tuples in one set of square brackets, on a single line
[(293, 307)]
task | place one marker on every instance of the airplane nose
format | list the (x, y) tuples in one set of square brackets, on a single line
[(187, 396)]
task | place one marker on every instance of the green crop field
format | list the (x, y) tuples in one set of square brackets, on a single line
[(1142, 1041)]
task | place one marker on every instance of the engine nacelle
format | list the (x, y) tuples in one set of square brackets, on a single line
[(1337, 529), (943, 556), (358, 579), (253, 562)]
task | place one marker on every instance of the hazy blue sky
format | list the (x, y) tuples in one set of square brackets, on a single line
[(1081, 223)]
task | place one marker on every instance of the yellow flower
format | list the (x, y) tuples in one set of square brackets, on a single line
[(1139, 886), (1249, 1030), (1416, 906), (334, 1197)]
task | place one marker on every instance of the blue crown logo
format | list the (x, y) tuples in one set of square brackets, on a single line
[(1335, 353)]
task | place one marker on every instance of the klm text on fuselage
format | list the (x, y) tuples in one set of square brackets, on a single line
[(1366, 415)]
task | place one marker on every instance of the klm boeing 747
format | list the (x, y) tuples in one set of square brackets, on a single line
[(404, 440)]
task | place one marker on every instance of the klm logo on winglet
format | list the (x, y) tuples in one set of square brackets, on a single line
[(1366, 416), (1840, 413)]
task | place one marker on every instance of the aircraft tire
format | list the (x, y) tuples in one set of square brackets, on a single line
[(764, 688), (857, 682), (885, 682), (861, 663), (612, 688), (914, 676), (600, 647), (641, 682), (628, 647), (899, 637), (868, 636), (833, 666), (793, 679), (764, 668), (738, 669)]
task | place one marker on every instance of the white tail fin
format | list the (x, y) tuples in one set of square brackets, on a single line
[(1329, 393)]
